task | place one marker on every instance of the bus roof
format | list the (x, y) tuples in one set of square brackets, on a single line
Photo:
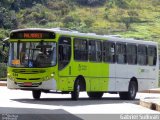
[(68, 32)]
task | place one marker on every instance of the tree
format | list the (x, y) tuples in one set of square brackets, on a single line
[(129, 20), (8, 19), (91, 2), (120, 3)]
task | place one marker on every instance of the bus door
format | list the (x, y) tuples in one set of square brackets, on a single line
[(64, 56)]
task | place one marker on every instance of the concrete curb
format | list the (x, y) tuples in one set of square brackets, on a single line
[(153, 104), (3, 83), (151, 91)]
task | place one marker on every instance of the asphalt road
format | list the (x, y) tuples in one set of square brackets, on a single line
[(19, 105)]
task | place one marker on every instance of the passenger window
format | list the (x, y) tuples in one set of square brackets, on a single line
[(152, 55), (109, 52), (131, 54), (95, 51), (121, 53), (142, 55), (64, 52), (98, 51), (80, 49), (92, 50)]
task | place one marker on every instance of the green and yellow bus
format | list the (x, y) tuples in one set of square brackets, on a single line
[(65, 61)]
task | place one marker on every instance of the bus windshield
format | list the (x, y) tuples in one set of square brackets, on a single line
[(32, 54)]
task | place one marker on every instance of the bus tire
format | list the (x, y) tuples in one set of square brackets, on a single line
[(123, 95), (132, 91), (36, 94), (76, 91), (95, 95)]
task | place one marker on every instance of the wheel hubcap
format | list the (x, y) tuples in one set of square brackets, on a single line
[(132, 90), (78, 88)]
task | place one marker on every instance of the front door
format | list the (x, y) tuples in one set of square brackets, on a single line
[(64, 56)]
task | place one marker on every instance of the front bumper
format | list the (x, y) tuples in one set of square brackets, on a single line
[(45, 85)]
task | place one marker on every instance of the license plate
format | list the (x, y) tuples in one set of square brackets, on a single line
[(27, 84)]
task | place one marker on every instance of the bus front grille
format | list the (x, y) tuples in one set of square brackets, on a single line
[(21, 78), (34, 78), (28, 79), (27, 71)]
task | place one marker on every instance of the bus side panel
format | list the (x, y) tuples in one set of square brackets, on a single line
[(66, 83), (66, 78), (112, 78), (96, 75), (121, 77), (149, 77), (99, 76), (80, 68)]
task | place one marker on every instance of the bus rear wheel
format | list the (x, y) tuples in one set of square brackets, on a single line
[(36, 94), (76, 91), (95, 95), (132, 91)]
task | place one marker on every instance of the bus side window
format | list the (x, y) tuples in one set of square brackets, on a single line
[(152, 55), (142, 55), (92, 50), (64, 52), (80, 49), (95, 50), (98, 51), (121, 53), (131, 54), (109, 52)]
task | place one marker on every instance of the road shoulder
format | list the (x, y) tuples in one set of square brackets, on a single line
[(152, 103), (3, 83)]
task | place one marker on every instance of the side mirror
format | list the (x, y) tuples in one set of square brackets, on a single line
[(5, 43), (3, 48), (4, 51)]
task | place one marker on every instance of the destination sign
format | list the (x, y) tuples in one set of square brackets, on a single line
[(32, 35)]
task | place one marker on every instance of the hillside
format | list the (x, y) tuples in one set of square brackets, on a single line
[(131, 18)]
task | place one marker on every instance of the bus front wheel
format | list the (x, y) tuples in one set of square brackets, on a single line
[(36, 94), (76, 91), (132, 91), (95, 95)]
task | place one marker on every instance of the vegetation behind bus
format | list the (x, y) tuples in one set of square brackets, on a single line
[(130, 18), (3, 71), (3, 62)]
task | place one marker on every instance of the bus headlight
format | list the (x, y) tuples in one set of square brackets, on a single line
[(52, 75)]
